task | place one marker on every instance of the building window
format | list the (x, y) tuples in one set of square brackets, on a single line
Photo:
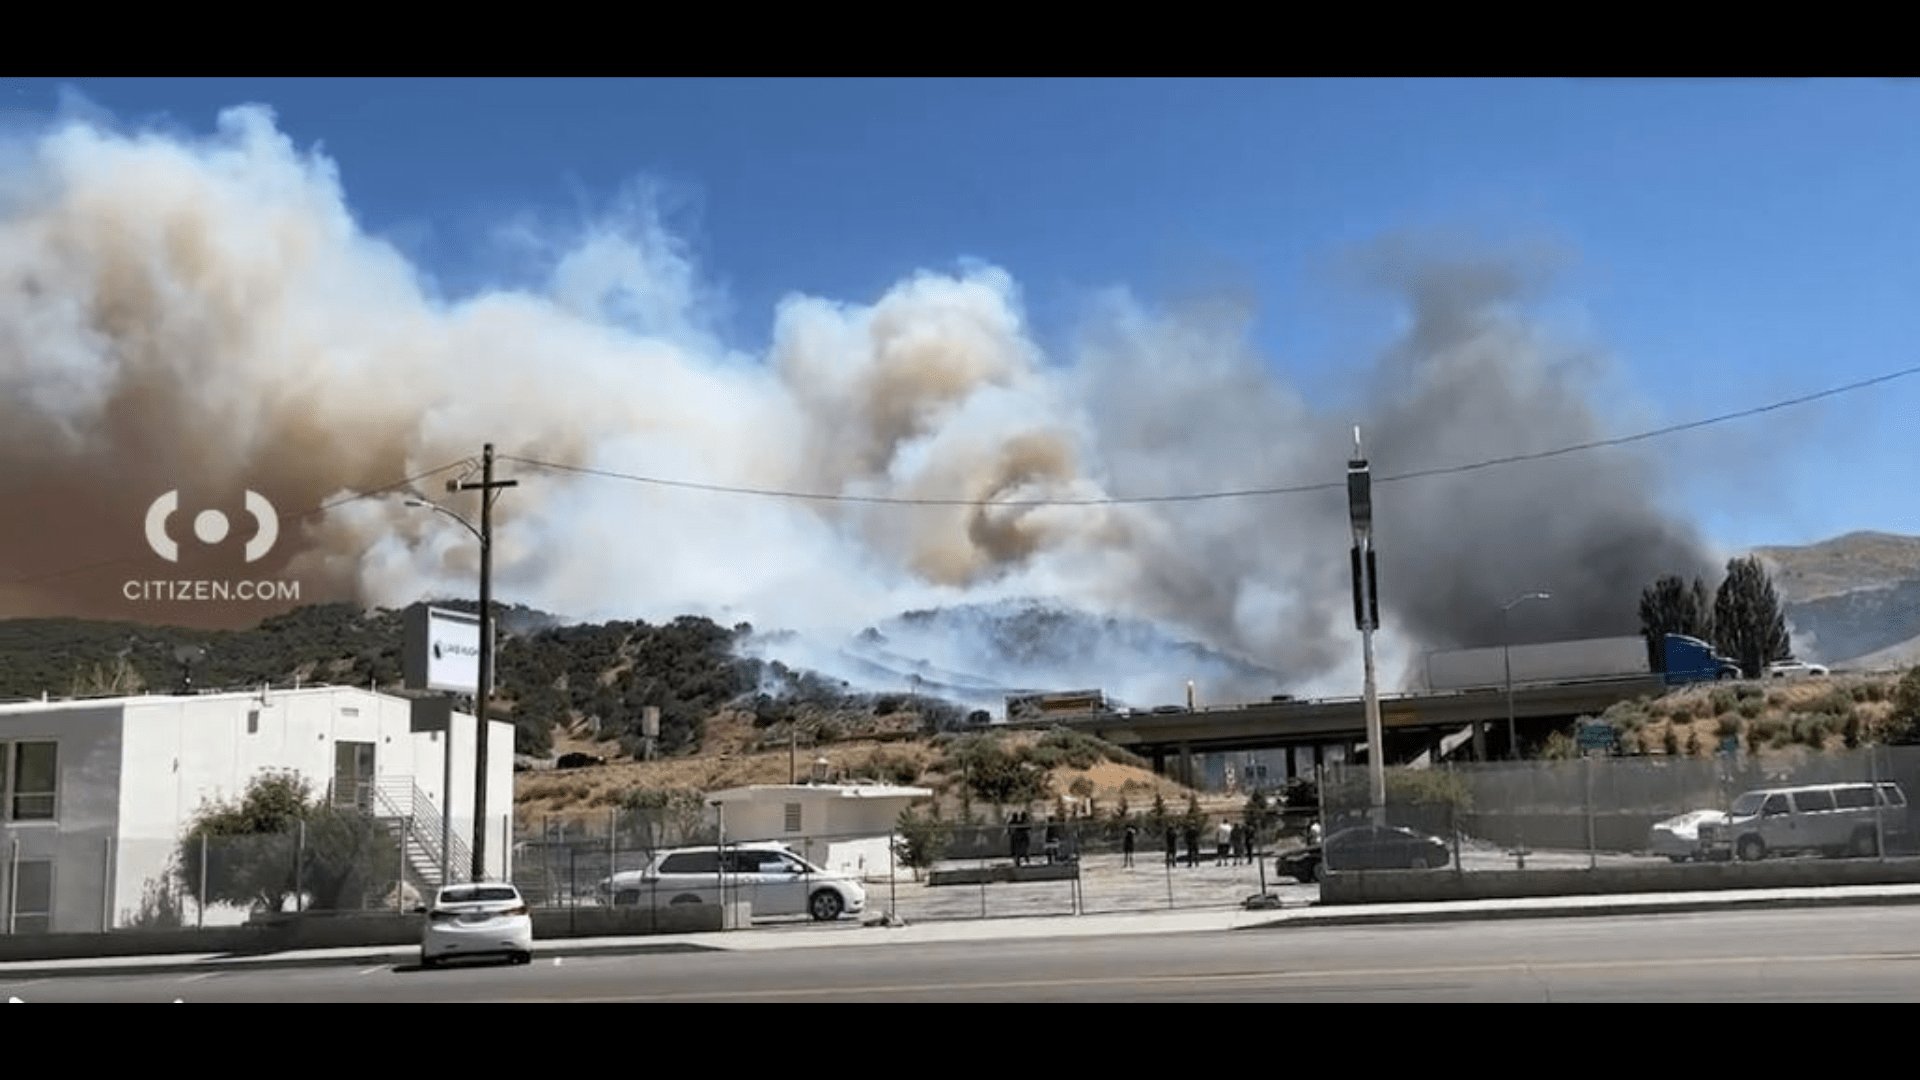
[(253, 721), (31, 902), (29, 772), (793, 817)]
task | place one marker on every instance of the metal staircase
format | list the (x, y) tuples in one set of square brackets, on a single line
[(416, 825)]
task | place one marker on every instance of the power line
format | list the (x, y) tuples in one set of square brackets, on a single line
[(1657, 432), (1298, 489), (819, 497)]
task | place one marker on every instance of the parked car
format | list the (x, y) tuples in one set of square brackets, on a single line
[(1365, 847), (488, 918), (1679, 837), (1787, 669), (767, 875), (1827, 819)]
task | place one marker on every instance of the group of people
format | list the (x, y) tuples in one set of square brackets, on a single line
[(1021, 838), (1233, 846)]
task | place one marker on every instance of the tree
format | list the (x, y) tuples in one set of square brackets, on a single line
[(1670, 606), (1262, 816), (921, 841), (1903, 723), (1747, 622), (277, 842)]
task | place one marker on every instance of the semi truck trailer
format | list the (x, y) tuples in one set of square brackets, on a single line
[(1688, 659)]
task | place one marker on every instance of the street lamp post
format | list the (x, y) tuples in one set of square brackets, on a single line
[(1506, 638), (446, 738)]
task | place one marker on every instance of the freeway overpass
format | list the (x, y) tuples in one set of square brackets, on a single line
[(1411, 724)]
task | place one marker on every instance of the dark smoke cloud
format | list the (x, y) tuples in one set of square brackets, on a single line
[(205, 315), (1470, 382)]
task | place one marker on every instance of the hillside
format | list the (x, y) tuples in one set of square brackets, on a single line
[(736, 756), (1857, 560), (1852, 600), (736, 706)]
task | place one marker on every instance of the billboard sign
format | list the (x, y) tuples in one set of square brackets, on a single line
[(442, 650)]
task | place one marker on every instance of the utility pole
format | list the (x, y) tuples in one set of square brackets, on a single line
[(1366, 615), (485, 488)]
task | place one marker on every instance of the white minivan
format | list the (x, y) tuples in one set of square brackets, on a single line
[(1827, 819), (766, 875)]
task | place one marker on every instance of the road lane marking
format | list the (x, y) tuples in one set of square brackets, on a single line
[(1529, 968)]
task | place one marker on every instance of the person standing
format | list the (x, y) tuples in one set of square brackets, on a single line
[(1126, 846)]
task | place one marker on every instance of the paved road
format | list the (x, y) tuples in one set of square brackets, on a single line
[(1800, 954)]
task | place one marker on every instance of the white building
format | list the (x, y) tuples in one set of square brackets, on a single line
[(840, 827), (95, 794)]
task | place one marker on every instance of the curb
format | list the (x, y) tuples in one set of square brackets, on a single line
[(1599, 908), (402, 959)]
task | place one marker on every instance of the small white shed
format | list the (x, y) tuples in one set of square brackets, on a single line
[(840, 827)]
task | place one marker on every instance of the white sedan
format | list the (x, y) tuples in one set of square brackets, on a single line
[(1678, 838), (1786, 669), (487, 918)]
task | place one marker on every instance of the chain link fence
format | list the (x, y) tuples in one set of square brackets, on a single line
[(1604, 810), (922, 869)]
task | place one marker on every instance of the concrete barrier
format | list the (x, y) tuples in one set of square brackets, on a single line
[(982, 875), (1427, 886)]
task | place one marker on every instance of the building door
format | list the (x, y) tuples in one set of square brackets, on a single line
[(353, 775)]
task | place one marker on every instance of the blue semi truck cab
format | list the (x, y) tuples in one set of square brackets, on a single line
[(1691, 660)]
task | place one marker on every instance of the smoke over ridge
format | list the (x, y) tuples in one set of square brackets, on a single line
[(206, 315)]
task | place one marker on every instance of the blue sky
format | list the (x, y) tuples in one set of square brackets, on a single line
[(1728, 243)]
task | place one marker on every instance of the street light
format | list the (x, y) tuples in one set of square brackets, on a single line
[(1506, 638), (446, 740)]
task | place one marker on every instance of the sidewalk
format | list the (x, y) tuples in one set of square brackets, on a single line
[(809, 936)]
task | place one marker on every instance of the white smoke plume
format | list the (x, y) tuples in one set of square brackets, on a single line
[(206, 315)]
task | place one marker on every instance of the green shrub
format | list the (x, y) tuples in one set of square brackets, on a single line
[(1903, 724), (1723, 700), (892, 767), (1726, 726), (1811, 730), (1835, 702), (1750, 709), (1748, 691)]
